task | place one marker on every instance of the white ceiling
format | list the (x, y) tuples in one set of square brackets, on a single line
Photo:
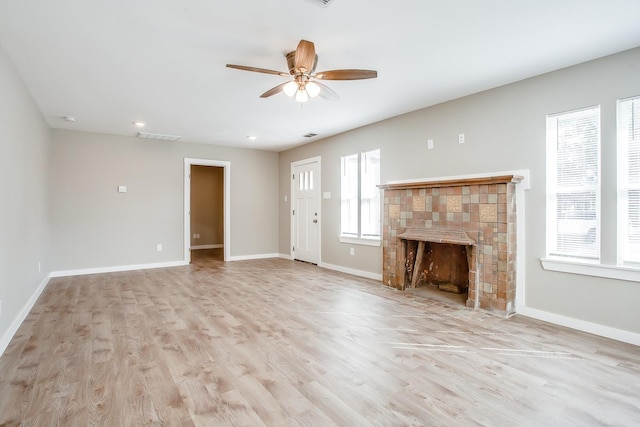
[(111, 62)]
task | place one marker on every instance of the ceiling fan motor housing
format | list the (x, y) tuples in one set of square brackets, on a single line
[(291, 59)]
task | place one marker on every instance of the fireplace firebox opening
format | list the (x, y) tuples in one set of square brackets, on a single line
[(441, 266)]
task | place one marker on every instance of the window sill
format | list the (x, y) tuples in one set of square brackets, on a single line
[(587, 269), (360, 241)]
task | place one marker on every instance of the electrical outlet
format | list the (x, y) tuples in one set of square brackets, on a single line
[(461, 138), (159, 247), (352, 251)]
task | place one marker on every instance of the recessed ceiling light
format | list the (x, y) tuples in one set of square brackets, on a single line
[(69, 119), (251, 137), (139, 124)]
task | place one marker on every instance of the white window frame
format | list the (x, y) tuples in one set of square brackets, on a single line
[(357, 237), (626, 256), (572, 225), (621, 270)]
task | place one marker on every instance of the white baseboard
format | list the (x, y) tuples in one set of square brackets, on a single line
[(361, 273), (15, 325), (353, 271), (581, 325), (216, 246), (255, 256), (80, 272)]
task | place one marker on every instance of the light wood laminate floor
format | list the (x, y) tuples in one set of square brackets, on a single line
[(278, 343)]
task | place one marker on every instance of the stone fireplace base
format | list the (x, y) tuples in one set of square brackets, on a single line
[(477, 213)]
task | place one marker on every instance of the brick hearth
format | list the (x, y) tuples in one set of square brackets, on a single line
[(482, 208)]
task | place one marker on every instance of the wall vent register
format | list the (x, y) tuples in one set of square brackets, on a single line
[(158, 136), (321, 3)]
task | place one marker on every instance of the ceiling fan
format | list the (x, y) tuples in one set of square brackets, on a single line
[(305, 84)]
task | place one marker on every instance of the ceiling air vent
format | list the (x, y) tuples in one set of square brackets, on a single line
[(158, 136), (310, 135), (321, 3)]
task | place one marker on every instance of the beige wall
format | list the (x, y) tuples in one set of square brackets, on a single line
[(504, 130), (95, 226), (24, 227), (207, 205)]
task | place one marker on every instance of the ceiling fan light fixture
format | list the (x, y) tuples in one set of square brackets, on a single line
[(302, 67), (290, 88), (302, 95), (312, 89)]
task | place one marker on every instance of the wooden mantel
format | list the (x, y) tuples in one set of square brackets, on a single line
[(455, 237), (455, 182)]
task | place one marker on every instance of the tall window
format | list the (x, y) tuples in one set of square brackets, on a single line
[(573, 184), (349, 196), (629, 181), (360, 196)]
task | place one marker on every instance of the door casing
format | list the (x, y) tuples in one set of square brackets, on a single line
[(188, 162)]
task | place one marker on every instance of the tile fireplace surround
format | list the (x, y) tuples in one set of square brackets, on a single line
[(479, 213)]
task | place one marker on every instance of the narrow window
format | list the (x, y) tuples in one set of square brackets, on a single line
[(370, 194), (360, 195), (629, 181), (573, 185), (349, 196)]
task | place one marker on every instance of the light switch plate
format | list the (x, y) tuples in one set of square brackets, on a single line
[(326, 195), (430, 144), (122, 188)]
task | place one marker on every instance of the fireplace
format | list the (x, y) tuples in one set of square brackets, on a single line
[(458, 234)]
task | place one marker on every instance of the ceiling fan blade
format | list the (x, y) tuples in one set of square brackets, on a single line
[(258, 70), (346, 75), (305, 56), (326, 92), (273, 90)]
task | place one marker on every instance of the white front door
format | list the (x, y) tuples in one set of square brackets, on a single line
[(306, 210)]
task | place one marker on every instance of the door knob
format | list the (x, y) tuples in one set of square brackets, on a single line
[(315, 221)]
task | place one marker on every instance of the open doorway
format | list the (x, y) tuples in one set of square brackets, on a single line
[(207, 209)]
